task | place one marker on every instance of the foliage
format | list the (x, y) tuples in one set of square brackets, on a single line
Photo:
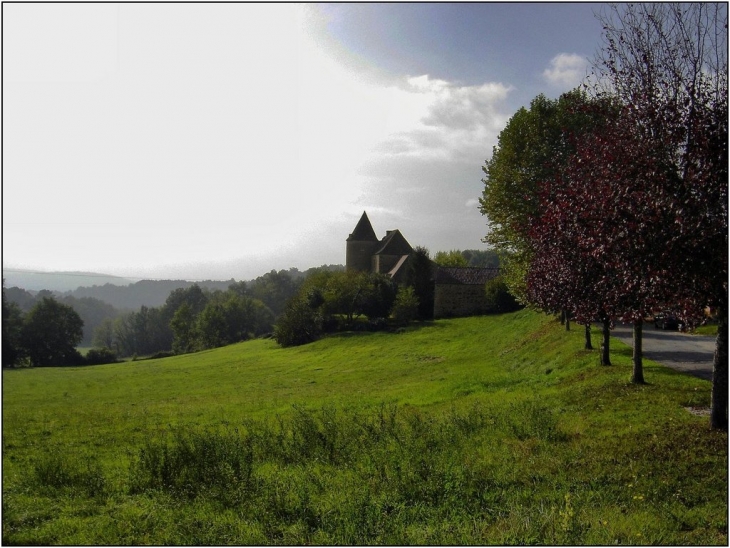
[(532, 148), (419, 276), (377, 296), (50, 333), (481, 257), (405, 308), (499, 299), (230, 318), (299, 324), (98, 356), (274, 289), (12, 325), (667, 63), (450, 258), (184, 330), (104, 334)]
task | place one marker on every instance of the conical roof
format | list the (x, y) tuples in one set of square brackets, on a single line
[(363, 231)]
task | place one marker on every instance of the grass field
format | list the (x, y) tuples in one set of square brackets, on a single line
[(467, 431)]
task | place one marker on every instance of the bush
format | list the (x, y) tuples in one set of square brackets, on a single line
[(499, 299), (405, 309), (98, 356), (298, 325)]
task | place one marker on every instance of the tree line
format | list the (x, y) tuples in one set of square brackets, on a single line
[(195, 317), (610, 203)]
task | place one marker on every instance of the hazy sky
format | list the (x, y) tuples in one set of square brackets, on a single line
[(224, 140)]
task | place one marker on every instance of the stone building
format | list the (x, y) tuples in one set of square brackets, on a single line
[(457, 291)]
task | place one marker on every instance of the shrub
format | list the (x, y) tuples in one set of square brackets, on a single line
[(405, 309), (299, 324), (98, 356), (499, 299)]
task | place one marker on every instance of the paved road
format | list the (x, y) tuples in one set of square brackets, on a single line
[(692, 354)]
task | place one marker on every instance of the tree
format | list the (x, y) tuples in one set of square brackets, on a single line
[(668, 65), (229, 318), (499, 299), (184, 330), (104, 334), (212, 327), (377, 296), (419, 276), (531, 149), (51, 332), (481, 257), (274, 289), (450, 258), (405, 308), (12, 326), (299, 324)]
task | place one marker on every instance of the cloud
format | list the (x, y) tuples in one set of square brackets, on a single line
[(566, 70), (439, 119)]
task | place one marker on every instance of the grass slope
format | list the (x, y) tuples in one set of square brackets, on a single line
[(467, 431)]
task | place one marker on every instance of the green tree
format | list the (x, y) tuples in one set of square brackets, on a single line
[(488, 258), (51, 332), (343, 293), (499, 299), (212, 326), (531, 149), (104, 334), (12, 326), (184, 329), (405, 308), (450, 258), (274, 289), (419, 276), (377, 296), (299, 324)]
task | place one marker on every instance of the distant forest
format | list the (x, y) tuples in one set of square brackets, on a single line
[(102, 304)]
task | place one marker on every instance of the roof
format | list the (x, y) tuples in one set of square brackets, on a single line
[(363, 231), (397, 268), (394, 244), (465, 275)]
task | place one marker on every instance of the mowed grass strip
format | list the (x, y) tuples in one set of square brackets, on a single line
[(478, 430)]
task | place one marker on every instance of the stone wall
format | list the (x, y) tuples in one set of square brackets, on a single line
[(459, 300)]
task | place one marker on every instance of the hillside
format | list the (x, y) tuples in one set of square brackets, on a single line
[(57, 281), (487, 430)]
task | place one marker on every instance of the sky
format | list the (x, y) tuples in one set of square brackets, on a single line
[(218, 141)]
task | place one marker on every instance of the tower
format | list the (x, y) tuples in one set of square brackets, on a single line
[(361, 245)]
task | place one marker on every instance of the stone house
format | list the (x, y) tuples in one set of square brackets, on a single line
[(457, 291)]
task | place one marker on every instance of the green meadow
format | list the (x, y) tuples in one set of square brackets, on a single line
[(484, 430)]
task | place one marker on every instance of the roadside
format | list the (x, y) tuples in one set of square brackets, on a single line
[(691, 354)]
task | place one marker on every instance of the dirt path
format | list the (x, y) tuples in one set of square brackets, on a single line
[(692, 354)]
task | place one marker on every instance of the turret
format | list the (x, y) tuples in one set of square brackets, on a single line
[(361, 245)]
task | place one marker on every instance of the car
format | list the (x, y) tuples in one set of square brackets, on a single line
[(666, 320)]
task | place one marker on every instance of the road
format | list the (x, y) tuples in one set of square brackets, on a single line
[(692, 354)]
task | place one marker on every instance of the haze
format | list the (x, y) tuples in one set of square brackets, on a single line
[(210, 141)]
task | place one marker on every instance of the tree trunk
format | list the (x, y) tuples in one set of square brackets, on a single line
[(637, 375), (718, 411), (562, 317), (588, 346), (605, 345), (567, 320)]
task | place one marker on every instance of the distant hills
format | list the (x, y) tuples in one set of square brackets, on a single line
[(121, 293), (58, 281)]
